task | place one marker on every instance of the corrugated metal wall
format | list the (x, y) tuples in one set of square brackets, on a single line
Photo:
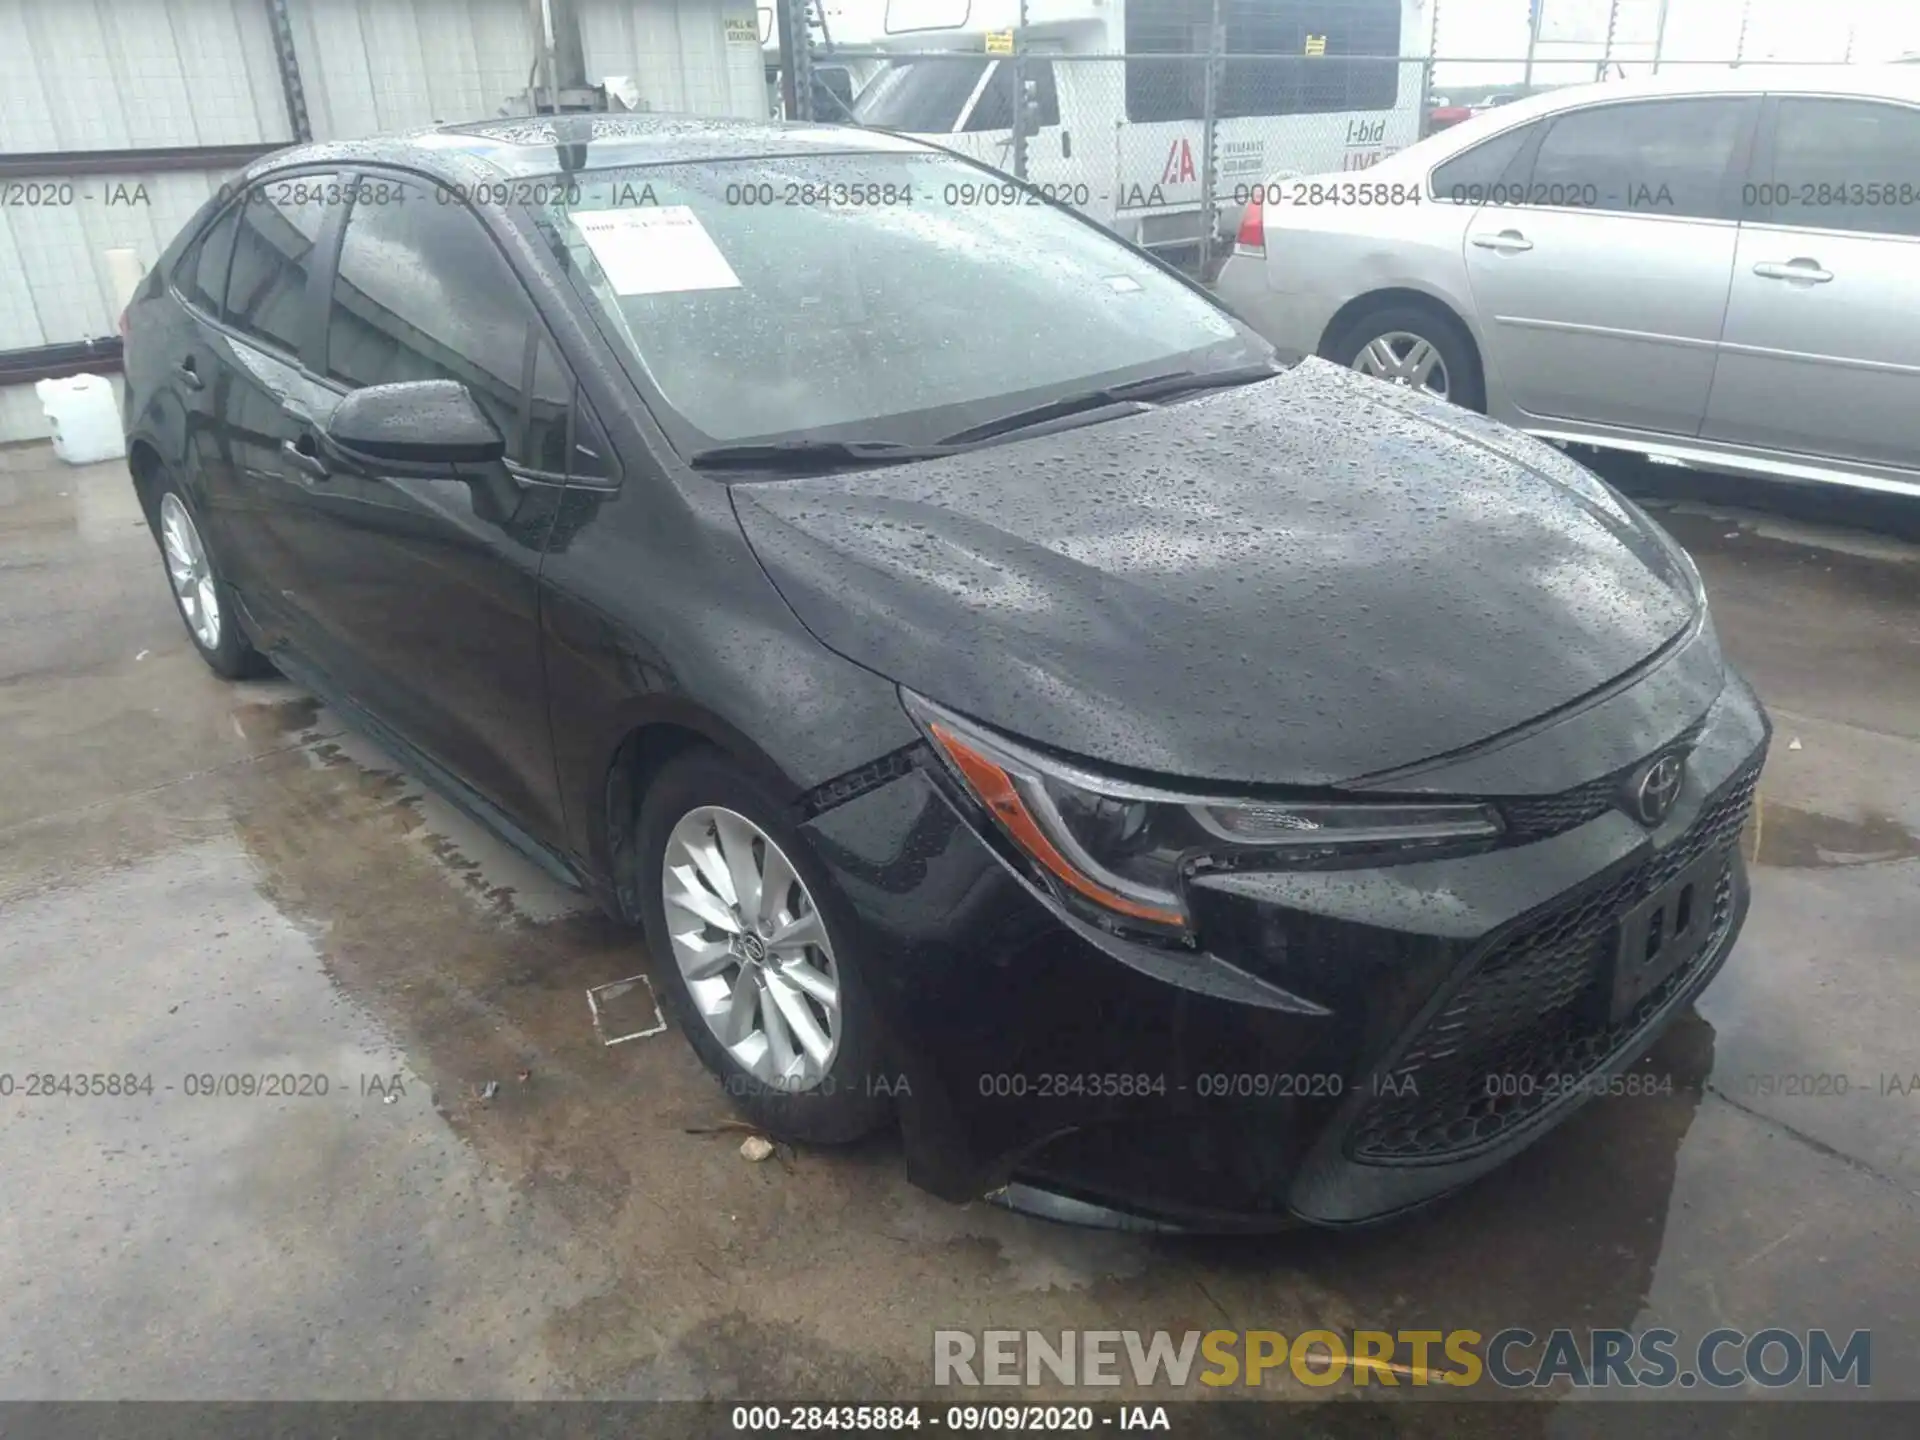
[(372, 65), (678, 53), (80, 75), (112, 74)]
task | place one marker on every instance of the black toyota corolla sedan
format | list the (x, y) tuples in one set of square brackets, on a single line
[(1172, 788)]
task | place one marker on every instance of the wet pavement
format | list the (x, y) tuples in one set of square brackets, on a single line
[(201, 881)]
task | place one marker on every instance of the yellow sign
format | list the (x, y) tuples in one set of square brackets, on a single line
[(1316, 44), (741, 31), (999, 42)]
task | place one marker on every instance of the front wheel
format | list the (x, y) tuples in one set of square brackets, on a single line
[(1415, 348), (760, 956), (204, 600)]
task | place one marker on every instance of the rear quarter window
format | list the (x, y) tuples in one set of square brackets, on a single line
[(1482, 174), (280, 222), (201, 274), (1842, 165)]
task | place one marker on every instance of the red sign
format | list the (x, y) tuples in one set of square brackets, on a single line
[(1179, 168)]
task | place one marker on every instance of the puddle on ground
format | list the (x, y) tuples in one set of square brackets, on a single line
[(290, 714), (484, 866), (1791, 838), (1714, 525)]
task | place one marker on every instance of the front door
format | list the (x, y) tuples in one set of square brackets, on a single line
[(1599, 270), (422, 590), (1821, 355)]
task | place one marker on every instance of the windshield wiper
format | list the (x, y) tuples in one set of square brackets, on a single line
[(803, 456), (1153, 387)]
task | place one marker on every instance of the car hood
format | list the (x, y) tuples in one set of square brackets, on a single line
[(1305, 581)]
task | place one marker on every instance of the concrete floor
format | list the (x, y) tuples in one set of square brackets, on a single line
[(198, 878)]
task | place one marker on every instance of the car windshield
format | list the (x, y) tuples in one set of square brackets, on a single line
[(879, 297), (922, 97)]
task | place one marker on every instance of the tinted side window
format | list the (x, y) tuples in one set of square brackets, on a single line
[(832, 94), (1843, 165), (549, 411), (202, 276), (995, 108), (1480, 176), (563, 438), (922, 97), (422, 293), (1302, 51), (1660, 157), (273, 250), (592, 452)]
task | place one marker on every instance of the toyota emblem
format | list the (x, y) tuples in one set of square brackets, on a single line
[(1657, 787)]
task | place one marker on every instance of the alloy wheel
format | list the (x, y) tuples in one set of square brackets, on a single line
[(1404, 358), (752, 947), (190, 572)]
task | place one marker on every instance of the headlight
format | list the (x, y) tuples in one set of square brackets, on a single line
[(1125, 848)]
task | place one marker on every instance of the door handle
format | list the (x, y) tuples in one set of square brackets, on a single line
[(1066, 144), (305, 461), (1507, 242), (1802, 269), (189, 375)]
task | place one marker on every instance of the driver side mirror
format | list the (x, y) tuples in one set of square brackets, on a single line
[(416, 422)]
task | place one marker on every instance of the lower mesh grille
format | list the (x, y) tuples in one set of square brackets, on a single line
[(1525, 1015)]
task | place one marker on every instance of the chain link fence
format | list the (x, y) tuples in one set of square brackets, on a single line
[(1152, 145), (1166, 146)]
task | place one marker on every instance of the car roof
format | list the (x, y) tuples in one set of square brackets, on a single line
[(526, 146), (1890, 82), (1882, 82)]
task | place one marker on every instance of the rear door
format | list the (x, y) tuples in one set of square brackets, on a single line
[(264, 388), (424, 591), (192, 352), (1600, 267), (1821, 355)]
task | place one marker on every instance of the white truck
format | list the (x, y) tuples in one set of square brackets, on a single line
[(1122, 140), (836, 80)]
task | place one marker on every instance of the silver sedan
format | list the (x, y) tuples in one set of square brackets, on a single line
[(1721, 270)]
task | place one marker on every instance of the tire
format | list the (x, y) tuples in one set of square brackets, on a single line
[(789, 1091), (1466, 386), (204, 600)]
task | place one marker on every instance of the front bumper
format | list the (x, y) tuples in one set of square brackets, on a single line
[(1354, 1043)]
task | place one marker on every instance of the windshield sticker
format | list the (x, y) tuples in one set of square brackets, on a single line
[(655, 250), (1124, 284)]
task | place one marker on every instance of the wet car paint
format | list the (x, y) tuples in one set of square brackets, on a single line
[(1530, 631), (999, 1020), (1293, 551), (571, 1239)]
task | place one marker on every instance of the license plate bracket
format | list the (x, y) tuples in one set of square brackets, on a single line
[(1664, 933)]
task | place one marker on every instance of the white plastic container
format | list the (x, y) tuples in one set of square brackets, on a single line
[(84, 417)]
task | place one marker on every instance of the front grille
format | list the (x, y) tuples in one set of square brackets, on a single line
[(1535, 817), (1526, 1013)]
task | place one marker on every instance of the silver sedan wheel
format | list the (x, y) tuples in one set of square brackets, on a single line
[(753, 948), (190, 571), (1404, 358)]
